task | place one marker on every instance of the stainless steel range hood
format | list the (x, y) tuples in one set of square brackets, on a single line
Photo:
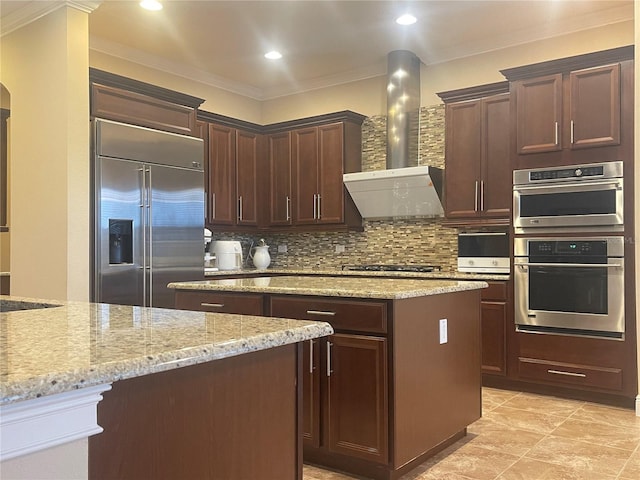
[(404, 188)]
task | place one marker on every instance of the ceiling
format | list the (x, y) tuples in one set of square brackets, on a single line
[(324, 43)]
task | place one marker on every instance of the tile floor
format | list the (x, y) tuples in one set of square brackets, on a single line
[(523, 436)]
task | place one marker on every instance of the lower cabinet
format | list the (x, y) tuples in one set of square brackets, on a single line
[(243, 304), (494, 320), (345, 379)]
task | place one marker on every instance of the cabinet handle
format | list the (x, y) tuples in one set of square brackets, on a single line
[(329, 371), (321, 312), (213, 205), (568, 374), (315, 206), (311, 368), (482, 195), (556, 133), (572, 132), (288, 207), (319, 206), (475, 198), (214, 305), (240, 208)]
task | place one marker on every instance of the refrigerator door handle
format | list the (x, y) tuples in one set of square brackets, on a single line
[(149, 241)]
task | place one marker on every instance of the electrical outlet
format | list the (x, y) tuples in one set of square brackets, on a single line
[(443, 331), (282, 249), (339, 248)]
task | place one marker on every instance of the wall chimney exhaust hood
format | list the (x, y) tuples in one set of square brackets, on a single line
[(404, 188), (398, 192)]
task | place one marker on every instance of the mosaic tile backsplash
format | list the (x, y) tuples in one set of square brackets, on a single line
[(416, 240)]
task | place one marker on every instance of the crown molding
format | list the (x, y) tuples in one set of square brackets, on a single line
[(33, 11)]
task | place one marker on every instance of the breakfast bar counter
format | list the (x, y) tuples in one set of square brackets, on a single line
[(178, 384)]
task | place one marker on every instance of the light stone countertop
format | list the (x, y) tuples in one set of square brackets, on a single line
[(77, 344), (355, 287), (439, 275)]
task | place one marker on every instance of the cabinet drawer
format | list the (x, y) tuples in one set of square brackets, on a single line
[(569, 373), (244, 304), (495, 291), (352, 315)]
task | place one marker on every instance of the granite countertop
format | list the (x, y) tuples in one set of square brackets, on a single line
[(77, 344), (440, 275), (357, 287)]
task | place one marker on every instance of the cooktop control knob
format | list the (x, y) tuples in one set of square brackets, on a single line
[(578, 172)]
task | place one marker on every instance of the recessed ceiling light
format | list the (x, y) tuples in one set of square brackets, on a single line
[(273, 55), (151, 5), (406, 19)]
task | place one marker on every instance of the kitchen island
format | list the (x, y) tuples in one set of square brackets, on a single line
[(179, 394), (398, 381)]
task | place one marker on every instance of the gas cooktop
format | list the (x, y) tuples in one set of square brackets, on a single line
[(392, 268)]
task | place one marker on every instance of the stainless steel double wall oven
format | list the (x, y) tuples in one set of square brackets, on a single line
[(569, 250)]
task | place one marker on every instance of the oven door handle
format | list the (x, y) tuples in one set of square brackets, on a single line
[(579, 265), (570, 186)]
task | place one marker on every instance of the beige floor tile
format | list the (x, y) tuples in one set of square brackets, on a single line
[(495, 436), (631, 470), (512, 418), (610, 415), (492, 398), (600, 434), (543, 404), (527, 469), (470, 462), (580, 456)]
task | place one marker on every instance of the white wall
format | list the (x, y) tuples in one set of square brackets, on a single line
[(69, 461)]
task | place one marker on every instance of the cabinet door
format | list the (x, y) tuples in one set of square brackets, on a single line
[(280, 177), (493, 328), (356, 413), (330, 184), (539, 114), (496, 179), (463, 155), (311, 392), (246, 178), (222, 175), (304, 143), (595, 107)]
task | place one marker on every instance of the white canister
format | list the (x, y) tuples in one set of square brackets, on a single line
[(260, 255)]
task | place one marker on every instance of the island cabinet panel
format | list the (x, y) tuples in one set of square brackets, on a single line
[(244, 304), (437, 381), (356, 403), (234, 418)]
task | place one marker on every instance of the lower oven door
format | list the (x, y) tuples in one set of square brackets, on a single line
[(585, 299)]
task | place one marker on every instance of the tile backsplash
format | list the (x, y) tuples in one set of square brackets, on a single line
[(415, 240)]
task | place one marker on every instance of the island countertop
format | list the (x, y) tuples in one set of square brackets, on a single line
[(77, 344), (356, 287)]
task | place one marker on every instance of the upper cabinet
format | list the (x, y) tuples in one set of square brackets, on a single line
[(233, 160), (122, 99), (477, 155), (574, 110)]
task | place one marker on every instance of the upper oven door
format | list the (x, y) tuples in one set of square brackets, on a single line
[(595, 203)]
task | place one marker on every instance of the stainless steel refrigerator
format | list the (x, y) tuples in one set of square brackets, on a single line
[(148, 190)]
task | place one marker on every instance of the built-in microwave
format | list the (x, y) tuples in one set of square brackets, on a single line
[(483, 252), (579, 197)]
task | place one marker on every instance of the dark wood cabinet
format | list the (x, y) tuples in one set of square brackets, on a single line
[(232, 176), (477, 155), (279, 145), (243, 304), (122, 99), (345, 406), (574, 110), (317, 163), (356, 401), (494, 320)]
